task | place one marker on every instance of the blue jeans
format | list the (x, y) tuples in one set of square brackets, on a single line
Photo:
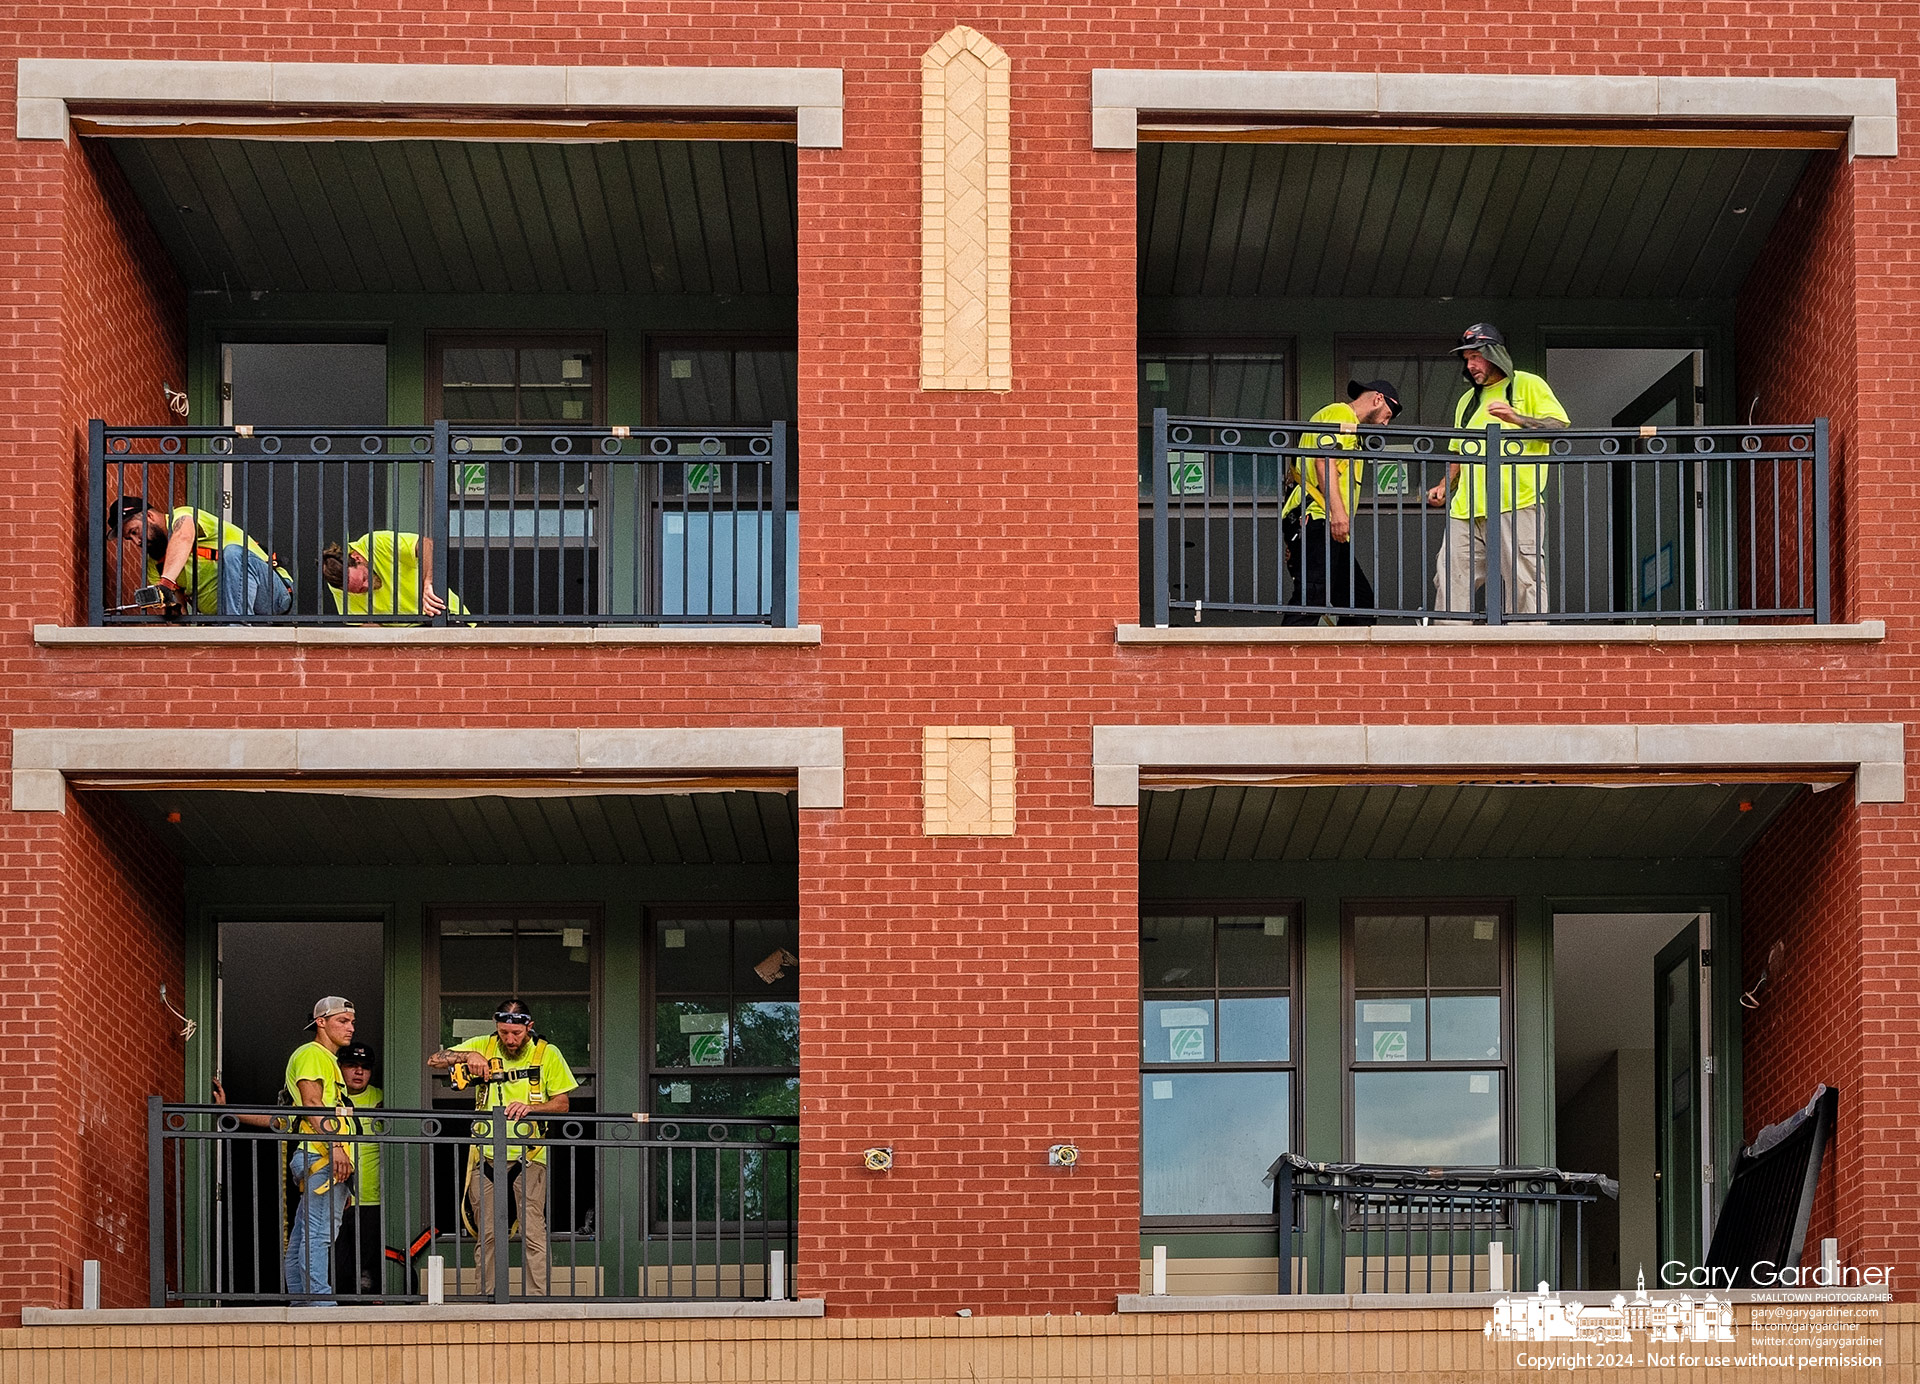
[(249, 585), (316, 1220)]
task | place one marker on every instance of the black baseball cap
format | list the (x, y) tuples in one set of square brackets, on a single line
[(356, 1055), (1386, 388)]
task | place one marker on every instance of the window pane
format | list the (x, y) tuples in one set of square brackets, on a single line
[(1176, 951), (1208, 1138), (1390, 1030), (766, 1034), (1466, 953), (1186, 391), (477, 383), (1427, 1119), (1466, 1028), (548, 962), (691, 954), (1389, 953), (1176, 1030), (695, 387), (477, 954), (772, 1096), (568, 1025), (465, 1016), (757, 942), (691, 1033), (1249, 387), (556, 385), (765, 385), (1255, 1028), (1253, 953)]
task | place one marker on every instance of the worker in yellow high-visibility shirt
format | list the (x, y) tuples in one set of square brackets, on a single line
[(385, 573), (1507, 398), (1317, 517)]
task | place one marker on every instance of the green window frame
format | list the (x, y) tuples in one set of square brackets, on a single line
[(723, 1020), (1220, 1028), (1428, 1032)]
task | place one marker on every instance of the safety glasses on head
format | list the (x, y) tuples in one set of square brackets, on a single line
[(512, 1016)]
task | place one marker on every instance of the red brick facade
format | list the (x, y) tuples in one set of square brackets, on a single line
[(968, 557)]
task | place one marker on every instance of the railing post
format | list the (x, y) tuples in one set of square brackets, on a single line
[(1283, 1206), (1161, 483), (502, 1207), (1822, 577), (156, 1203), (1495, 492), (439, 481), (96, 522), (777, 585)]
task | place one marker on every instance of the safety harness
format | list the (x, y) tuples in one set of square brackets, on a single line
[(498, 1075)]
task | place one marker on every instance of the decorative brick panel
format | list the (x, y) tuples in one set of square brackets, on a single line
[(965, 294), (968, 773)]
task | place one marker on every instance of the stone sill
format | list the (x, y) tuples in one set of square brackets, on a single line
[(1143, 1303), (1865, 632), (317, 636), (419, 1312)]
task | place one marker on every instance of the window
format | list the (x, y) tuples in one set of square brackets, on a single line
[(1424, 369), (1217, 1056), (714, 543), (1429, 1042), (698, 381), (1204, 383), (478, 377), (726, 1016), (547, 962), (550, 962)]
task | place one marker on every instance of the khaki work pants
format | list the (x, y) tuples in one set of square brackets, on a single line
[(1462, 568), (530, 1206)]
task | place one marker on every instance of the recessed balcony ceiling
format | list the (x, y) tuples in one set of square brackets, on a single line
[(1429, 822), (1455, 221), (653, 217), (234, 827)]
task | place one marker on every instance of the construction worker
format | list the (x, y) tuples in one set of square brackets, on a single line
[(1511, 399), (521, 1075), (385, 573), (226, 573), (357, 1255), (1317, 520), (323, 1164)]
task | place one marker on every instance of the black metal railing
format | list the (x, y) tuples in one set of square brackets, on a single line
[(523, 525), (636, 1208), (1375, 1228), (1599, 524)]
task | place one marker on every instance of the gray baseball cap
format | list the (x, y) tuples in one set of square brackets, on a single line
[(328, 1007)]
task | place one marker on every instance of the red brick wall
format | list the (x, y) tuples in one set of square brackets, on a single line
[(1796, 350), (968, 555), (124, 327), (1800, 885), (121, 938)]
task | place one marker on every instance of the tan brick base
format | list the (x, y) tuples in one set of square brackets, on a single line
[(1398, 1346)]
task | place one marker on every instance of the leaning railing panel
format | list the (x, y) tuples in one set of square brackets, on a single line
[(526, 525), (637, 1208), (1626, 524), (1370, 1228)]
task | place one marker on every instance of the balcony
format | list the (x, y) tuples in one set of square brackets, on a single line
[(637, 1209), (1634, 525), (1371, 1228), (512, 525)]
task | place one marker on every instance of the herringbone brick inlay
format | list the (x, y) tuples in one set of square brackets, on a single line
[(966, 334)]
